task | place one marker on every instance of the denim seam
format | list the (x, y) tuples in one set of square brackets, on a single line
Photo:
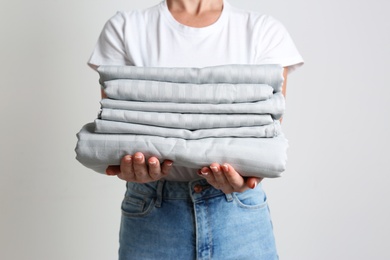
[(196, 231), (159, 191), (210, 234), (134, 201)]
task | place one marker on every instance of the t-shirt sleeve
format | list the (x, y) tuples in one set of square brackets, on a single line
[(276, 46), (110, 48)]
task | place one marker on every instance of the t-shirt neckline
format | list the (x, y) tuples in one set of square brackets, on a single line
[(195, 30)]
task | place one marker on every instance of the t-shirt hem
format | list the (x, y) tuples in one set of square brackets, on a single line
[(292, 63), (95, 63)]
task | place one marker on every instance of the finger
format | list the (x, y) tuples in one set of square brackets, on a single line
[(206, 173), (233, 177), (154, 168), (217, 172), (113, 170), (222, 182), (126, 168), (140, 168), (252, 182), (166, 167)]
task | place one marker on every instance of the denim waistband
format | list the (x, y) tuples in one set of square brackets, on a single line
[(173, 190)]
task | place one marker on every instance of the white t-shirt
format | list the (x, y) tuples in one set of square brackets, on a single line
[(153, 38)]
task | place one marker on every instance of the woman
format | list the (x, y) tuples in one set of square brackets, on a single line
[(211, 213)]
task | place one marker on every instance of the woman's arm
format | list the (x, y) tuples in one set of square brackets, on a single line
[(284, 87), (103, 93)]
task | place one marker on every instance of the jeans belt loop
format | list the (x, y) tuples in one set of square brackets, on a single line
[(159, 191), (229, 197)]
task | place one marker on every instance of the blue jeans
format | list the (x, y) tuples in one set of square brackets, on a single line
[(192, 220)]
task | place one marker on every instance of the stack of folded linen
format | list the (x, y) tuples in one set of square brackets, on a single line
[(192, 116)]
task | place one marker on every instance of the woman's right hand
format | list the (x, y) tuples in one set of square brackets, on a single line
[(135, 168)]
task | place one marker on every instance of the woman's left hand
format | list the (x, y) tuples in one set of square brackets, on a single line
[(225, 178)]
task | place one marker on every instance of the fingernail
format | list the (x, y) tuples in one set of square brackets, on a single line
[(203, 172), (169, 163), (128, 159), (139, 158), (254, 185), (225, 168), (152, 162), (214, 168)]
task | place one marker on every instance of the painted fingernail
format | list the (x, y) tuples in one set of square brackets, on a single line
[(152, 162), (169, 163)]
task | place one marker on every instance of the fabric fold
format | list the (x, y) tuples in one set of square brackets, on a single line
[(184, 120), (269, 74), (159, 91), (274, 106), (112, 127)]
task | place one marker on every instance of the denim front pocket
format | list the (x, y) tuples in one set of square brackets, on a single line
[(137, 205), (251, 199)]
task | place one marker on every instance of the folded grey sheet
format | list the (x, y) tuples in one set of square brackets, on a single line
[(258, 150), (158, 91), (185, 121), (263, 157), (270, 74), (274, 106), (264, 131)]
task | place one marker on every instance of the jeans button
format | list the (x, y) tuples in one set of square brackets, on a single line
[(198, 188)]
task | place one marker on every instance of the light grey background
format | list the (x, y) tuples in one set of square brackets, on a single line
[(333, 201)]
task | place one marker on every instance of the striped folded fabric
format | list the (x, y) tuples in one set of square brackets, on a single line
[(184, 120), (273, 106), (192, 116)]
